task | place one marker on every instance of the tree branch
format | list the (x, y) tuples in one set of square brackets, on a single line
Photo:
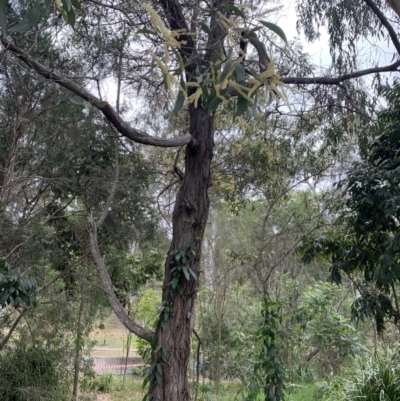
[(108, 111), (341, 78), (13, 327), (385, 23), (177, 22), (109, 289)]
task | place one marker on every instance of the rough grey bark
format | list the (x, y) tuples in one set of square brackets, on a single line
[(189, 222)]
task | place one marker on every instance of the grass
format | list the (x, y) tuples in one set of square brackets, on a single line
[(303, 392), (132, 391), (111, 338)]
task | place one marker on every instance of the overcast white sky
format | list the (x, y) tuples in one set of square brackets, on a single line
[(286, 18), (319, 50)]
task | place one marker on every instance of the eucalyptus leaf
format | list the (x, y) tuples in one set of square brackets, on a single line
[(264, 52), (144, 30), (180, 100), (214, 104), (234, 9), (31, 19), (205, 28), (71, 16), (67, 5), (3, 22), (226, 70), (276, 29), (241, 106), (240, 72), (77, 100)]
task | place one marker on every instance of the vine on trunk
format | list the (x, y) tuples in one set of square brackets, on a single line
[(180, 270), (269, 374)]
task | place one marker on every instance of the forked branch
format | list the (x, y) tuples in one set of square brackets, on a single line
[(108, 288), (108, 111)]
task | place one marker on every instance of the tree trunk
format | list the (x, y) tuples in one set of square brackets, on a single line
[(78, 346), (189, 222)]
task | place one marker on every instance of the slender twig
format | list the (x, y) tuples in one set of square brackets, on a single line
[(13, 327), (197, 364)]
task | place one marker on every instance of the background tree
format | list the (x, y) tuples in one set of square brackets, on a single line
[(197, 52), (365, 245)]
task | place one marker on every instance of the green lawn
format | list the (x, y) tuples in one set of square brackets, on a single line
[(132, 391), (303, 392)]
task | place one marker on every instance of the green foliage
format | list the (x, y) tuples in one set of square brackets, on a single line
[(269, 375), (322, 326), (15, 290), (32, 12), (367, 240), (101, 383), (33, 373), (209, 86), (147, 314), (227, 327), (180, 271), (129, 272), (371, 380), (346, 21)]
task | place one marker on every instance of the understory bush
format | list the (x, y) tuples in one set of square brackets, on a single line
[(371, 380), (33, 374), (101, 383)]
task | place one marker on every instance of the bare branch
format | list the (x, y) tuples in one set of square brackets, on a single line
[(177, 22), (113, 186), (108, 111), (341, 78), (13, 327), (385, 22), (109, 289)]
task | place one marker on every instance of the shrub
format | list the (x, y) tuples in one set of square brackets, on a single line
[(373, 380), (33, 374)]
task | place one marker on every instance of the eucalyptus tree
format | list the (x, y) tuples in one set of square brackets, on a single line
[(45, 192), (198, 60), (364, 244)]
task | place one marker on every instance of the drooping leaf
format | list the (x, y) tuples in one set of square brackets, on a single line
[(186, 273), (31, 19), (214, 104), (144, 30), (67, 5), (264, 52), (180, 100), (77, 100), (241, 106), (240, 72), (234, 9), (3, 22), (205, 28), (76, 4), (226, 70), (71, 16), (276, 29)]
